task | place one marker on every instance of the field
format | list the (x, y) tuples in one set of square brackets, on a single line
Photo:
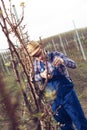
[(66, 44)]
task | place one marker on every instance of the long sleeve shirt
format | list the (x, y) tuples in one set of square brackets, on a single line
[(63, 70)]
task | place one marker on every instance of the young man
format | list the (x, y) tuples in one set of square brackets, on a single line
[(53, 66)]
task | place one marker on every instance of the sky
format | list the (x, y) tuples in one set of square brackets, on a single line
[(44, 18)]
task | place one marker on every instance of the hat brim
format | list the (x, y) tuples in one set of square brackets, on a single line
[(35, 51)]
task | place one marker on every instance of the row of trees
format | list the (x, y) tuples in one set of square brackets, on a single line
[(66, 42), (35, 109)]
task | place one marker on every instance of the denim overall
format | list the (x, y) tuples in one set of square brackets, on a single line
[(66, 106)]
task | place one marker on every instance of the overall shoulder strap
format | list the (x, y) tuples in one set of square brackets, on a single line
[(51, 56), (42, 66)]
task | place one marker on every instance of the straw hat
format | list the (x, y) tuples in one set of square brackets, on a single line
[(33, 48)]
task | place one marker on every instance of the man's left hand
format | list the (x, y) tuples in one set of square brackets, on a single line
[(57, 61)]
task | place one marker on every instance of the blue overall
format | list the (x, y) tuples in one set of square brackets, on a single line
[(66, 106)]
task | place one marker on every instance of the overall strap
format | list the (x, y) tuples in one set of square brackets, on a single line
[(42, 66)]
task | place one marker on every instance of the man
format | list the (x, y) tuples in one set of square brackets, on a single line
[(65, 106)]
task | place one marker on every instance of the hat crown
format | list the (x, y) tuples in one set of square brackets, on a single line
[(33, 47)]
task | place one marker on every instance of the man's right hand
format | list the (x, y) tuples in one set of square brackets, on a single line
[(45, 75)]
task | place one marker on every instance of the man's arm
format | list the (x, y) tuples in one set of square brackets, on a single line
[(60, 58), (37, 76)]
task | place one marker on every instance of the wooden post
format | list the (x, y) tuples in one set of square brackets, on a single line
[(62, 44), (54, 45), (82, 51)]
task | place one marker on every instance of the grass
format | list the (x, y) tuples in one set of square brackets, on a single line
[(79, 77)]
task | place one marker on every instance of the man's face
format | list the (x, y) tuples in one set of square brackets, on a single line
[(41, 56)]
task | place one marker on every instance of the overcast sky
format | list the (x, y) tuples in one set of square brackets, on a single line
[(50, 17)]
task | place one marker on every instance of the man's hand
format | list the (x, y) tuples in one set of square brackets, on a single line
[(45, 75), (57, 61)]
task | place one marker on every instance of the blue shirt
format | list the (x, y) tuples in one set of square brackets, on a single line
[(63, 70)]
